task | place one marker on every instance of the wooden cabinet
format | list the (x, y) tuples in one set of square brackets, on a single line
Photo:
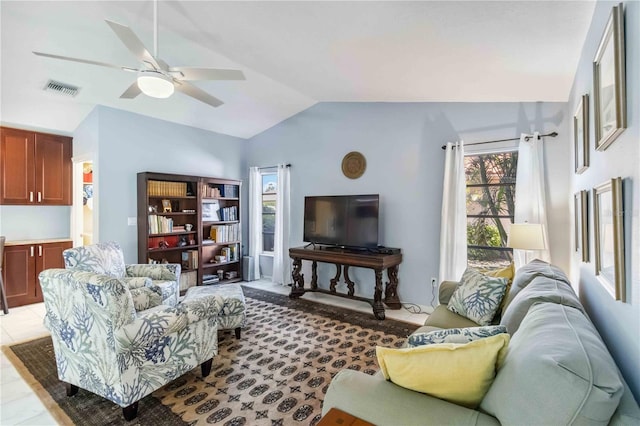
[(176, 216), (23, 263), (35, 168)]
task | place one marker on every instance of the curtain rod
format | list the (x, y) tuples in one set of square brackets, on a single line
[(272, 167), (552, 134)]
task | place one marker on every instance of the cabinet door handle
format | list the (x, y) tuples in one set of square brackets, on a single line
[(31, 196), (39, 196), (31, 250), (39, 251)]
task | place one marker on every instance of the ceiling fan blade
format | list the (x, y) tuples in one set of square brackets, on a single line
[(133, 43), (199, 94), (132, 91), (84, 61), (189, 74)]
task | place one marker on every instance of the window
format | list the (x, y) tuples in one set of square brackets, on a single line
[(491, 184), (269, 190)]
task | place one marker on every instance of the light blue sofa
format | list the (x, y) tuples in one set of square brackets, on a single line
[(557, 370)]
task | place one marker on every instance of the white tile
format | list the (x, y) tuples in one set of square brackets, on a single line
[(42, 419), (20, 410)]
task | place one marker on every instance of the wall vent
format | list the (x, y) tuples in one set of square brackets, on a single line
[(61, 88)]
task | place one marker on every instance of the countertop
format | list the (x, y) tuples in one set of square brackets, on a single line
[(27, 242)]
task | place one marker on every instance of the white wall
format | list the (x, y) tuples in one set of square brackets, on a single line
[(617, 322), (131, 143), (401, 143)]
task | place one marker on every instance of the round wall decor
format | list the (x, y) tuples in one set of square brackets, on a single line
[(354, 165)]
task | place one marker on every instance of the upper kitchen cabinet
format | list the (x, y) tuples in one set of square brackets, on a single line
[(35, 168)]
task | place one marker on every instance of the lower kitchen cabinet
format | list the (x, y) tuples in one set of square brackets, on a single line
[(23, 263)]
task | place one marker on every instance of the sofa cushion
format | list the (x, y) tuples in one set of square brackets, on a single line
[(459, 373), (526, 274), (441, 317), (541, 289), (478, 296), (557, 371), (454, 335)]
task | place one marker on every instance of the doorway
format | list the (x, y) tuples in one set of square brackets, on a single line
[(84, 201)]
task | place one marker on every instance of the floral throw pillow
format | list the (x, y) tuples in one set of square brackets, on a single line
[(454, 335), (478, 296)]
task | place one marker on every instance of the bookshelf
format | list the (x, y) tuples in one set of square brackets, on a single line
[(194, 221)]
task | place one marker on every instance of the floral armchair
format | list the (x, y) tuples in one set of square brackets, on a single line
[(102, 344), (150, 285)]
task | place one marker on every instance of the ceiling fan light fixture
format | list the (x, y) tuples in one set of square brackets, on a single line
[(155, 84)]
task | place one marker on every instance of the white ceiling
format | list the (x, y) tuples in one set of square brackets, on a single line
[(293, 54)]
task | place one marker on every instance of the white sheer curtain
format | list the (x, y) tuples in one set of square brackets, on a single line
[(530, 205), (255, 218), (453, 228), (281, 264)]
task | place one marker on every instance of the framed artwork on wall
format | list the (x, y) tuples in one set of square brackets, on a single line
[(581, 224), (610, 100), (581, 135), (609, 237)]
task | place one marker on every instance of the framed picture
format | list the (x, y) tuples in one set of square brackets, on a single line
[(609, 235), (210, 210), (610, 99), (581, 232), (581, 135), (166, 206)]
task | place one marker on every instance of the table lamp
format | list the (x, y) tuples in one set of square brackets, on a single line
[(526, 236)]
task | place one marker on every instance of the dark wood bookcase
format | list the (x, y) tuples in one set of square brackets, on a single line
[(176, 216)]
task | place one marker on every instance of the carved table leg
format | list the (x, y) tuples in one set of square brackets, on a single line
[(378, 307), (314, 275), (391, 291), (348, 280), (297, 288), (335, 279)]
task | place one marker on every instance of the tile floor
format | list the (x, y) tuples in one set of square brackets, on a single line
[(20, 406)]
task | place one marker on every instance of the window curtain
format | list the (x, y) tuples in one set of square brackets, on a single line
[(281, 263), (453, 228), (255, 218), (530, 205)]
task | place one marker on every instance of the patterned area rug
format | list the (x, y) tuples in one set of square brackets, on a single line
[(276, 374)]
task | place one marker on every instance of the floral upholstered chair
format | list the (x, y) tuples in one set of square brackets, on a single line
[(103, 345), (150, 285)]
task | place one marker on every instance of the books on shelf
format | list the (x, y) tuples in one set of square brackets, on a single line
[(166, 189), (190, 259), (225, 233), (229, 213), (208, 279), (160, 224), (220, 191)]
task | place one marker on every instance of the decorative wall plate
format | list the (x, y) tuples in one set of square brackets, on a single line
[(353, 165)]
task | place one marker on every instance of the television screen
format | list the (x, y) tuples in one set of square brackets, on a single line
[(342, 220)]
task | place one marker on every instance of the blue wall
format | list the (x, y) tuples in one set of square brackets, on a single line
[(405, 165), (130, 143), (617, 322)]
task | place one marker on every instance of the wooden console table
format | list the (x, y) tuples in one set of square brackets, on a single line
[(343, 259)]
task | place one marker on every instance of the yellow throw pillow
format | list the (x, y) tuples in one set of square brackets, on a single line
[(460, 373)]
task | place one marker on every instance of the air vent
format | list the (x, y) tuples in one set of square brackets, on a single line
[(61, 88)]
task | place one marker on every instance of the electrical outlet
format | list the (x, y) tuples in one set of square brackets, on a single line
[(433, 282), (132, 221)]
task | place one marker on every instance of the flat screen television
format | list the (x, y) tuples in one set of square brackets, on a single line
[(342, 220)]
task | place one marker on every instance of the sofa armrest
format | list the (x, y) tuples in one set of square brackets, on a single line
[(162, 271), (380, 402), (446, 291)]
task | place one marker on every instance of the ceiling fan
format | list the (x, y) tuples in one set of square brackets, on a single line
[(155, 77)]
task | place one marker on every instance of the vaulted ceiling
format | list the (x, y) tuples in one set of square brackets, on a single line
[(293, 55)]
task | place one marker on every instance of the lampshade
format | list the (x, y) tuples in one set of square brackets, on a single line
[(155, 84), (526, 236)]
